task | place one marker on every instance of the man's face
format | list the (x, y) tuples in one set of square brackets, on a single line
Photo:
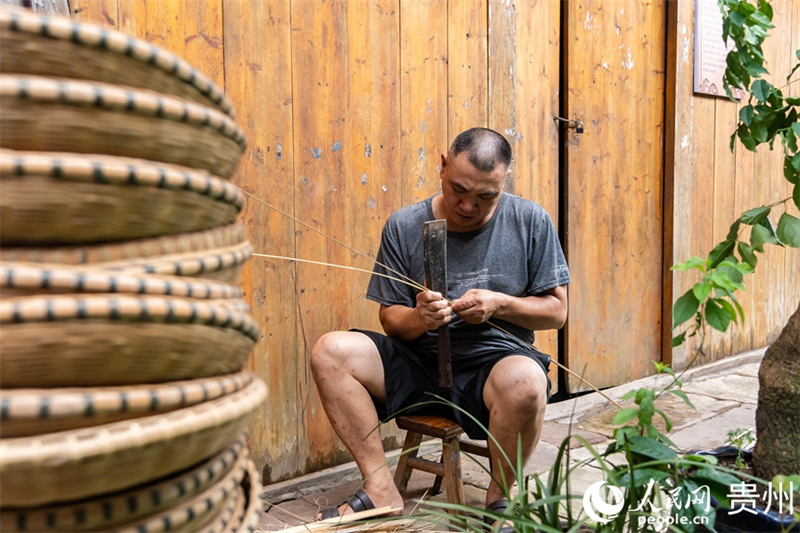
[(469, 196)]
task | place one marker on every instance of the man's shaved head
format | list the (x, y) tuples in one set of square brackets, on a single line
[(485, 148)]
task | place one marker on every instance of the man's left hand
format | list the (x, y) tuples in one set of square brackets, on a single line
[(477, 306)]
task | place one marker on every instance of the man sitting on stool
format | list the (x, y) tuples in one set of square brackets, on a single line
[(505, 264)]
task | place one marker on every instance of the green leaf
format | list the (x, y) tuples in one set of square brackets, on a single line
[(796, 161), (628, 395), (737, 18), (701, 291), (789, 140), (646, 411), (738, 306), (624, 415), (759, 236), (761, 89), (765, 8), (642, 476), (746, 114), (758, 130), (682, 395), (746, 138), (796, 195), (761, 19), (678, 340), (625, 433), (770, 227), (685, 307), (721, 252), (693, 262), (734, 271), (733, 233), (716, 316), (747, 254), (789, 229), (755, 215), (789, 172), (667, 421), (652, 449), (722, 280), (728, 308)]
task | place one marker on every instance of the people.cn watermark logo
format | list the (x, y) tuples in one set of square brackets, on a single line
[(596, 502)]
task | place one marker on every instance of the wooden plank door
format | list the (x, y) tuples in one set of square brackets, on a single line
[(615, 81)]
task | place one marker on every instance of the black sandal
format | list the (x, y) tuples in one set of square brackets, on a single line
[(358, 502), (499, 507)]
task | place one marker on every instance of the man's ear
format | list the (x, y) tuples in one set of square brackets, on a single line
[(444, 164)]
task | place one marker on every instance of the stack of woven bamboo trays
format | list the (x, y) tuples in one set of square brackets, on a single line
[(123, 334)]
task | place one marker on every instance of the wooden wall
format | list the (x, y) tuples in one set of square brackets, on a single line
[(348, 107), (708, 186)]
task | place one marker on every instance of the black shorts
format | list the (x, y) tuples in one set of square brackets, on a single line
[(411, 377)]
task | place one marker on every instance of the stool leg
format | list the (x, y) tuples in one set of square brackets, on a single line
[(403, 472), (452, 471), (437, 483)]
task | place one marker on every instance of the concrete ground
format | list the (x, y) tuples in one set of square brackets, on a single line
[(724, 394)]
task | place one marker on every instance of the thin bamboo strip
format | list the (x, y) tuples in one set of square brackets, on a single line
[(32, 278), (86, 462), (51, 198), (109, 511), (52, 115), (139, 250), (60, 47), (353, 522), (196, 513), (99, 340), (27, 412)]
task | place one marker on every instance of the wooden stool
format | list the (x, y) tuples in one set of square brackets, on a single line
[(449, 468)]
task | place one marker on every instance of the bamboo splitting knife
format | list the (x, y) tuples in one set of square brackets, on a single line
[(434, 238)]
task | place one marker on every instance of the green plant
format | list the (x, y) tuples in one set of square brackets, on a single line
[(740, 438), (653, 469), (767, 116)]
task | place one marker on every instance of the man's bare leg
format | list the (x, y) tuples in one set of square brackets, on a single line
[(516, 396), (348, 371)]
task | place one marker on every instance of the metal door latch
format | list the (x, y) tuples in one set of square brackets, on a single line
[(577, 125)]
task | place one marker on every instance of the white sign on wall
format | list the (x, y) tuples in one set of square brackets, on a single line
[(710, 50)]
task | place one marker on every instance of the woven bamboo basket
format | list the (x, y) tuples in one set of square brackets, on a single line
[(25, 279), (86, 462), (232, 516), (107, 340), (110, 511), (60, 47), (27, 412), (196, 513), (140, 250), (56, 198), (222, 264), (51, 115), (253, 488)]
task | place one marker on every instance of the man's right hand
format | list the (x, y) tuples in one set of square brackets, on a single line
[(433, 309)]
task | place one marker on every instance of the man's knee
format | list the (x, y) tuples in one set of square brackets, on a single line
[(328, 352), (517, 384)]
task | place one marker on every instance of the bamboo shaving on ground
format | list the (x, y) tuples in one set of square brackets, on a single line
[(356, 522)]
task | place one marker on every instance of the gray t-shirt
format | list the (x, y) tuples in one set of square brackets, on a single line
[(516, 252)]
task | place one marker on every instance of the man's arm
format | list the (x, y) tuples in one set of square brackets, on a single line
[(408, 323), (547, 310)]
